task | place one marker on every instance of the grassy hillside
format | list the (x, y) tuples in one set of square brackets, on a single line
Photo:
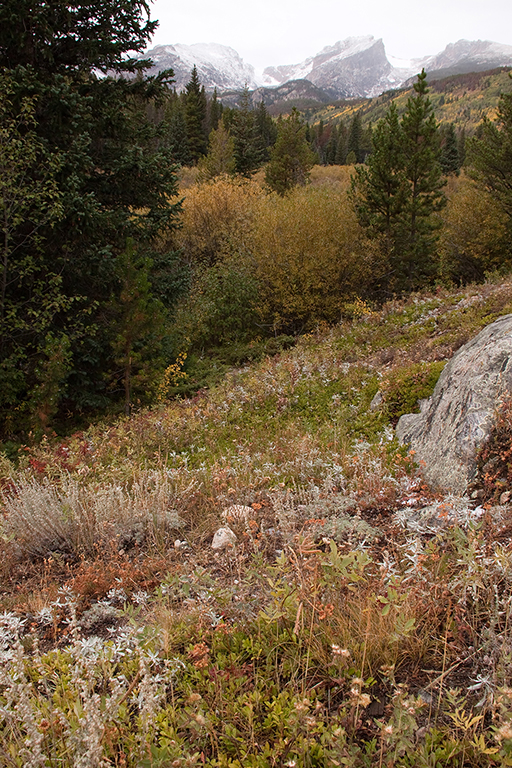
[(343, 628), (461, 99)]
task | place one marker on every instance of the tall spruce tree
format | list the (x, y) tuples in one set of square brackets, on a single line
[(425, 181), (342, 146), (195, 114), (176, 131), (450, 161), (490, 154), (266, 129), (355, 143), (214, 112), (291, 158), (248, 149), (400, 189), (379, 189), (113, 178)]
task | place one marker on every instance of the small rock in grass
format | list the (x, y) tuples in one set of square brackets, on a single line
[(376, 402), (223, 538)]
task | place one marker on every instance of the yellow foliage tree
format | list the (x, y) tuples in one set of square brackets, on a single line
[(217, 217), (311, 257), (473, 233)]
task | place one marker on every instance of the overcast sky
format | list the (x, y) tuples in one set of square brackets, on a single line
[(270, 32)]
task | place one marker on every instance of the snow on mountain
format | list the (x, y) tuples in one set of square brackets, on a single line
[(218, 66), (310, 69), (354, 67), (471, 54)]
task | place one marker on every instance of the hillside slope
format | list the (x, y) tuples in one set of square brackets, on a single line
[(463, 99), (357, 613)]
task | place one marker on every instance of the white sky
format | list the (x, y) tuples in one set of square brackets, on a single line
[(271, 32)]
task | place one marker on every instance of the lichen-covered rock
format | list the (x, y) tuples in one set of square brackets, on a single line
[(457, 420)]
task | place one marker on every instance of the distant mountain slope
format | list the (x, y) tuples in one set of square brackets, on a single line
[(468, 56), (278, 99), (218, 66), (357, 67), (463, 99), (352, 68)]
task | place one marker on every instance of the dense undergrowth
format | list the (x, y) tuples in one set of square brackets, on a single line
[(346, 627)]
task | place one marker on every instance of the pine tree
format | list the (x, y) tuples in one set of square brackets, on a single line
[(248, 149), (356, 139), (214, 112), (137, 321), (113, 177), (342, 146), (461, 147), (195, 115), (266, 130), (379, 188), (291, 158), (176, 132), (400, 189), (490, 154), (425, 182), (330, 145), (450, 162)]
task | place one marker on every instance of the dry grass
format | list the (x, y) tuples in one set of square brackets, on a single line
[(334, 633)]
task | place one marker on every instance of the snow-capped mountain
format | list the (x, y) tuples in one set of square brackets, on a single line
[(218, 66), (470, 56), (354, 67)]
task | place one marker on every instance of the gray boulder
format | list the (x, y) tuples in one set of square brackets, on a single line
[(457, 420)]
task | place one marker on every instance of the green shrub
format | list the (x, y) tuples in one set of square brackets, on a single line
[(405, 386)]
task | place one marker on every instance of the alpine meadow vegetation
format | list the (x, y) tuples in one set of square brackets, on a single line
[(335, 631), (201, 329)]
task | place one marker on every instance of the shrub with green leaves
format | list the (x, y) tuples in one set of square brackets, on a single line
[(405, 386)]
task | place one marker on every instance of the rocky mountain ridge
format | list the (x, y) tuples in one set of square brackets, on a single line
[(352, 68)]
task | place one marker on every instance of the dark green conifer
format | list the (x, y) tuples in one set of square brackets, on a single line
[(291, 158), (400, 189), (266, 129), (248, 150), (176, 133), (342, 146), (423, 172), (214, 112), (195, 114), (355, 141), (450, 162), (490, 154)]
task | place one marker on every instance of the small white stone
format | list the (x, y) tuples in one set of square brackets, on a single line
[(223, 538)]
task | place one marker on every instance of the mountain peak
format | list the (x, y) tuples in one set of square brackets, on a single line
[(352, 67), (218, 66)]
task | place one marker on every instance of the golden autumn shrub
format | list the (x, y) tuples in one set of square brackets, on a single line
[(265, 263), (311, 257), (473, 232), (217, 217)]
